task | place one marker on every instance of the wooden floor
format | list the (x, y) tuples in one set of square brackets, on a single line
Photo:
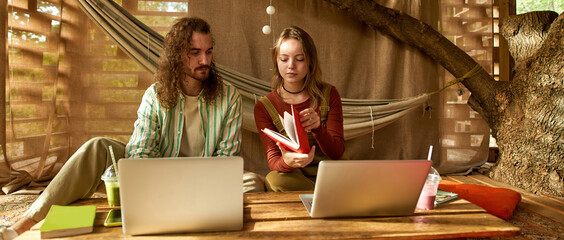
[(550, 207)]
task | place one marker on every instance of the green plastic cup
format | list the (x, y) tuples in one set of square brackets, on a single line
[(112, 186)]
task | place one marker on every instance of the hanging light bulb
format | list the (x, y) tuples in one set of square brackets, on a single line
[(266, 29), (270, 10)]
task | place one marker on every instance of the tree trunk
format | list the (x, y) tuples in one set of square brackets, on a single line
[(531, 141), (526, 115)]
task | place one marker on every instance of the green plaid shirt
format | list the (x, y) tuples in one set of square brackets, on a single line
[(158, 130)]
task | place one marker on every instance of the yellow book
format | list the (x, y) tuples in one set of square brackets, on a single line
[(64, 221)]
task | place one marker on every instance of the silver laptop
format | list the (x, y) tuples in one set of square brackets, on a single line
[(362, 188), (170, 195)]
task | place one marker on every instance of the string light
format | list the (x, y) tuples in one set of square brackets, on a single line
[(270, 10), (267, 29)]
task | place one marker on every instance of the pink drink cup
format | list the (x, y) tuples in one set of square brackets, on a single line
[(427, 198)]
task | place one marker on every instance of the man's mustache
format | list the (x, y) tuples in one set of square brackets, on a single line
[(205, 67)]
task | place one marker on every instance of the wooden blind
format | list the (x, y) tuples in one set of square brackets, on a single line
[(67, 82)]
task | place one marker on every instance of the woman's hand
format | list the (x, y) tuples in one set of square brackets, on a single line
[(296, 160), (310, 119)]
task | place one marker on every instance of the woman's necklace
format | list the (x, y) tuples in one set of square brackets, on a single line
[(290, 92)]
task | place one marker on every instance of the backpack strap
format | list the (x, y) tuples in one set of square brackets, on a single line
[(324, 105), (273, 114)]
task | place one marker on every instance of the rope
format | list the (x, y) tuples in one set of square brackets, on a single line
[(372, 122), (469, 74), (271, 27)]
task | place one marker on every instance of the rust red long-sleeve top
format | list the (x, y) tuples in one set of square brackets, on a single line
[(329, 138)]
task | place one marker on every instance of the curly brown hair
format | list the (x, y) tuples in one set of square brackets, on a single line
[(313, 80), (170, 71)]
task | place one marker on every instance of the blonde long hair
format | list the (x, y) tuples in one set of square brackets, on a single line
[(170, 71), (313, 82)]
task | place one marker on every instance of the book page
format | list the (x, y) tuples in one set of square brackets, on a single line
[(289, 126), (285, 141)]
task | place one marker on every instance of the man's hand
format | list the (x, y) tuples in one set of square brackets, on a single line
[(296, 160)]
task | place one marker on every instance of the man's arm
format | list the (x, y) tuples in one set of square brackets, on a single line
[(229, 141), (144, 142)]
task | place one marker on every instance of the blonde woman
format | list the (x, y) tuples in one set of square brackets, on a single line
[(297, 81)]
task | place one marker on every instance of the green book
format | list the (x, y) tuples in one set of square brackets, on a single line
[(64, 221)]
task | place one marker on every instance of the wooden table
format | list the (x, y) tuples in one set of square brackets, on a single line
[(283, 216)]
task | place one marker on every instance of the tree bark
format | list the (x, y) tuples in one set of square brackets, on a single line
[(532, 143), (526, 115), (525, 33)]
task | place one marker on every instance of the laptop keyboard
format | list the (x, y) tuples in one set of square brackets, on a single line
[(309, 203)]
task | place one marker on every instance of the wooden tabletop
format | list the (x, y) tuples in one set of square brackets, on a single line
[(283, 216)]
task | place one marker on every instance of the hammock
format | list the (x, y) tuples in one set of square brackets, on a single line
[(144, 45)]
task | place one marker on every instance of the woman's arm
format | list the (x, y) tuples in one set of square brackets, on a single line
[(330, 137), (273, 153)]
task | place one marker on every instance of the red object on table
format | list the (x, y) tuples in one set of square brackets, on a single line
[(500, 202)]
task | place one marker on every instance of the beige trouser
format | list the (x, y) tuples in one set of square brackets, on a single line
[(80, 177), (288, 181)]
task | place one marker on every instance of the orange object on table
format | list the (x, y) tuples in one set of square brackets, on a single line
[(500, 202)]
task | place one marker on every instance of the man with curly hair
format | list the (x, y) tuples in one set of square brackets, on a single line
[(188, 111)]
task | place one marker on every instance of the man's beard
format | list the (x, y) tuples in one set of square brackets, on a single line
[(192, 73)]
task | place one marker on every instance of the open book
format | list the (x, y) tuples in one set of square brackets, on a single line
[(297, 136)]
